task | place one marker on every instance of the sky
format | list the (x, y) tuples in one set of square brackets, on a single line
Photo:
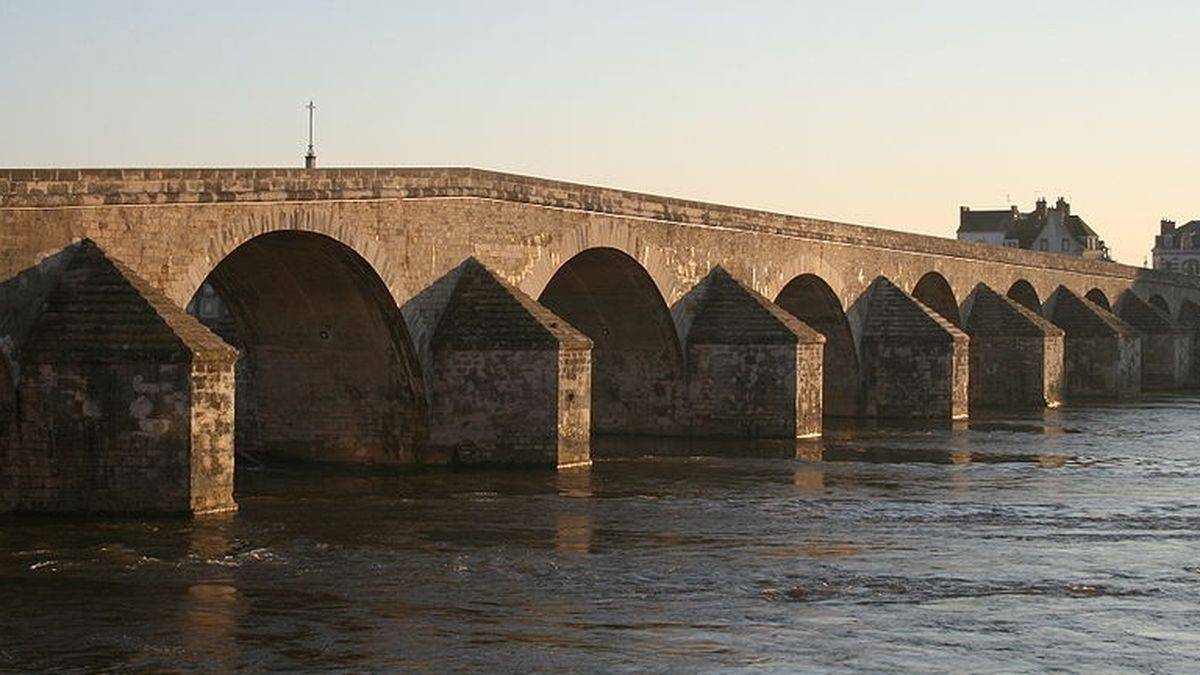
[(890, 114)]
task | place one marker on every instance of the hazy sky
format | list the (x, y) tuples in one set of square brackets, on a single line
[(882, 113)]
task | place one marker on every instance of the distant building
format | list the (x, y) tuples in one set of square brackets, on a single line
[(1053, 230), (1177, 249)]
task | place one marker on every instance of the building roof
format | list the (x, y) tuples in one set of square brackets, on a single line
[(1024, 227), (986, 221)]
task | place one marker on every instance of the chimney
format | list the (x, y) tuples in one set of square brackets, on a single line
[(1040, 209), (1016, 213), (1063, 206), (1166, 226)]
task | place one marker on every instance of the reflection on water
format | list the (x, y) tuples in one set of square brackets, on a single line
[(1064, 539)]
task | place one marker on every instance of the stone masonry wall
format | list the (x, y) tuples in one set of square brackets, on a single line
[(915, 363), (498, 406), (574, 406), (102, 438), (1166, 360), (212, 435), (1103, 367), (1016, 371), (743, 390)]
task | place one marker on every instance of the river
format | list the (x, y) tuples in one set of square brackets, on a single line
[(1059, 540)]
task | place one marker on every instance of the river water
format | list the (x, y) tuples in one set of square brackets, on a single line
[(1066, 539)]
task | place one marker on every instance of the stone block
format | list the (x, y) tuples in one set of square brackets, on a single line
[(509, 382), (915, 362), (1016, 356), (125, 402), (1166, 346), (1102, 353), (753, 370)]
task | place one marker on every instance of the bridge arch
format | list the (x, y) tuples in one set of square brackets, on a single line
[(226, 237), (1023, 293), (935, 292), (809, 298), (328, 372), (637, 362), (1160, 302), (1097, 296)]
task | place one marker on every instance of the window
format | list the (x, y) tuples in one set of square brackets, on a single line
[(1170, 265), (1066, 245), (1191, 267), (1043, 245)]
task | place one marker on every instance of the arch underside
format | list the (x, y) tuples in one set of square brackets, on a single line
[(1097, 296), (811, 300), (1024, 294), (934, 292), (1160, 302), (327, 370), (636, 360)]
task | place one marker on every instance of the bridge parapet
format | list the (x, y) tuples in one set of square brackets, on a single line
[(57, 188)]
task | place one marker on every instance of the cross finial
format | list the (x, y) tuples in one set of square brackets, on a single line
[(310, 160)]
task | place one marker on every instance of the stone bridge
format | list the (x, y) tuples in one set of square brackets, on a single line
[(432, 316)]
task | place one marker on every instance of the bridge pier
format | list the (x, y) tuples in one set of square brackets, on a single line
[(1103, 354), (1166, 346), (1189, 320), (752, 369), (1016, 355), (509, 382), (125, 402), (914, 361)]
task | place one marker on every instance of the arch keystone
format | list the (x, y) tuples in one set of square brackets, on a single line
[(753, 369)]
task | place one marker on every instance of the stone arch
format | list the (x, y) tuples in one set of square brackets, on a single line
[(1097, 296), (934, 292), (617, 236), (1189, 316), (328, 372), (310, 218), (809, 298), (637, 362), (1160, 302), (1024, 294)]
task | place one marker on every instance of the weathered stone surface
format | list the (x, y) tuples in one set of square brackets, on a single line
[(329, 371), (637, 364), (1016, 355), (1189, 319), (509, 382), (753, 370), (915, 362), (811, 300), (1166, 346), (346, 246), (1103, 354), (125, 402)]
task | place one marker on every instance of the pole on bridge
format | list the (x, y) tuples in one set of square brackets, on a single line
[(310, 160)]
